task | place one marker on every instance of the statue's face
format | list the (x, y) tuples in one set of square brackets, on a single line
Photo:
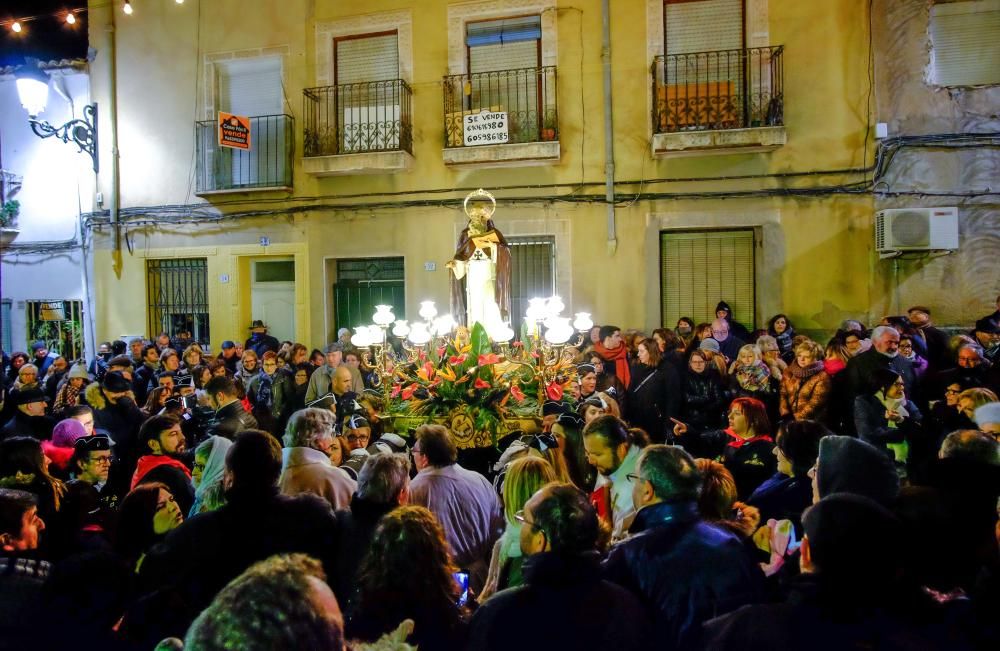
[(462, 334), (478, 215)]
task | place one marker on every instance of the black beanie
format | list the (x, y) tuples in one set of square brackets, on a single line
[(724, 306), (849, 465)]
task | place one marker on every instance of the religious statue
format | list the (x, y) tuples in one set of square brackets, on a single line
[(480, 284)]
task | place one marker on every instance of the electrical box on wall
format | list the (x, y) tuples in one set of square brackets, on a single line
[(903, 230)]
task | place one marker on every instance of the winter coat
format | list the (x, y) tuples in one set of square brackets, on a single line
[(306, 470), (783, 498), (685, 570), (750, 461), (861, 367), (121, 420), (143, 380), (653, 399), (784, 344), (21, 424), (703, 399), (260, 343), (281, 398), (231, 420), (873, 427), (582, 610), (805, 392)]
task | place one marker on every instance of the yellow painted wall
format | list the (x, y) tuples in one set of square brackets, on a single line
[(817, 250)]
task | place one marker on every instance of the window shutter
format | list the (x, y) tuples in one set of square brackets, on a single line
[(250, 87), (532, 273), (699, 269), (505, 44), (367, 58), (966, 43), (503, 31), (703, 25)]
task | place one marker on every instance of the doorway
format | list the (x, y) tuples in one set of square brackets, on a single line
[(272, 296)]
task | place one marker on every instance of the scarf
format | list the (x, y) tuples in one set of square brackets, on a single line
[(265, 392), (738, 442), (211, 475), (755, 378), (68, 396), (800, 373), (620, 357), (901, 450)]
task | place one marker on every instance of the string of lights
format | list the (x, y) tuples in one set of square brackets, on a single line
[(69, 16)]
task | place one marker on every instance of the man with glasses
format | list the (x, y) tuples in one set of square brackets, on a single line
[(686, 570), (729, 344), (91, 462), (463, 501), (562, 579)]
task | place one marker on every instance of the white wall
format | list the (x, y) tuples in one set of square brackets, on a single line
[(58, 182)]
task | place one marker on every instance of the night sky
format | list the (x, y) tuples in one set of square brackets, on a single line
[(45, 38)]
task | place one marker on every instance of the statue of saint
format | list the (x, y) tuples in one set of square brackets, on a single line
[(480, 284)]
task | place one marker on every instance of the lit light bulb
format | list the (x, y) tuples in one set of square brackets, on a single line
[(70, 18), (15, 27), (427, 310), (401, 329), (127, 8), (583, 322), (383, 315), (180, 2)]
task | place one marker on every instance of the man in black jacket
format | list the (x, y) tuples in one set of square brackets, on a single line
[(383, 485), (164, 446), (683, 568), (29, 417), (564, 603), (230, 416), (884, 353)]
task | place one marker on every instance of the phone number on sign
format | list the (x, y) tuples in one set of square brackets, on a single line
[(486, 137)]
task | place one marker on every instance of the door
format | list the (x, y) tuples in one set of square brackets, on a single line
[(363, 283), (272, 296)]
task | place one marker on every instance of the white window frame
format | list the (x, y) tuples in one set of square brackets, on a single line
[(460, 14), (327, 31)]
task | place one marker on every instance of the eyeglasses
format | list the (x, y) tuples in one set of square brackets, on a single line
[(416, 451), (519, 516), (101, 461), (356, 437)]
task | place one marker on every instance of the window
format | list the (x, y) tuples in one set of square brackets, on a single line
[(363, 283), (700, 268), (966, 43), (368, 92), (702, 25), (532, 273), (59, 324), (504, 44), (177, 292), (253, 88), (6, 340)]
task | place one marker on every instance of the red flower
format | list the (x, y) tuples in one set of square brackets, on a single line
[(518, 344), (455, 360), (491, 358), (517, 393), (408, 391), (441, 351), (554, 390), (396, 389), (481, 384)]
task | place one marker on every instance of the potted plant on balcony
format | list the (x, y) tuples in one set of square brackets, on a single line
[(549, 129), (8, 221)]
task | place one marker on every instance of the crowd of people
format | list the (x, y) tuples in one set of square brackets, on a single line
[(702, 487)]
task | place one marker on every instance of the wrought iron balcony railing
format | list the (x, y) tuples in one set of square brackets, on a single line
[(266, 164), (723, 89), (527, 95), (355, 118)]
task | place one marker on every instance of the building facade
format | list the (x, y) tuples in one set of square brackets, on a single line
[(740, 141)]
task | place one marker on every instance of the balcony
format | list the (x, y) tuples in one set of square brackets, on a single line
[(526, 95), (362, 128), (267, 165), (725, 101)]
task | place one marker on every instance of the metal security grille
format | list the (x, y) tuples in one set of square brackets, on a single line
[(532, 273), (177, 291), (5, 336), (700, 268), (59, 324), (363, 283)]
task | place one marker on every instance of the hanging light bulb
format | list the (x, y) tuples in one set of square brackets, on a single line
[(127, 8), (15, 27), (70, 18)]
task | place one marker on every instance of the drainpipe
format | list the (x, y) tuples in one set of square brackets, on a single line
[(113, 100), (609, 136)]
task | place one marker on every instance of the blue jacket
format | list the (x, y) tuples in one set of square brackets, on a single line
[(687, 571)]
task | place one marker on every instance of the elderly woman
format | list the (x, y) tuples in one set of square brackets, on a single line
[(69, 393), (886, 418), (805, 385), (770, 354)]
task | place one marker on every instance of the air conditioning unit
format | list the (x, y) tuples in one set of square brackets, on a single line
[(916, 229)]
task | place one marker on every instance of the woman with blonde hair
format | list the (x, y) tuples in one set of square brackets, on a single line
[(525, 475), (193, 356), (805, 386)]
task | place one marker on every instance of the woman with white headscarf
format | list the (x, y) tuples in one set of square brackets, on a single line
[(209, 466)]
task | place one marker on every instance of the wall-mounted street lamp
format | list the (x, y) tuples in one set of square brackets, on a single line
[(33, 91)]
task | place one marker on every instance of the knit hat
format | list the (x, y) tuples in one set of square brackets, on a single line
[(66, 432), (849, 465), (115, 382), (29, 396), (988, 413), (37, 346), (78, 371), (342, 332), (227, 344), (709, 344), (724, 306)]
